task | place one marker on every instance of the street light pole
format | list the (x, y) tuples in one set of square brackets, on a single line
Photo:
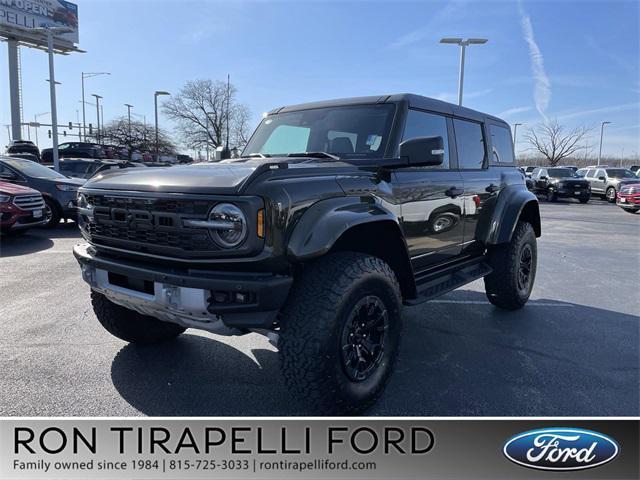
[(35, 117), (84, 122), (97, 97), (601, 135), (515, 137), (463, 45), (129, 107), (156, 94)]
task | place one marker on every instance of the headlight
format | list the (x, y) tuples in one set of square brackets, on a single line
[(66, 188), (4, 198), (230, 228)]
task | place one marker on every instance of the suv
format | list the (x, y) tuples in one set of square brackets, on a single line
[(606, 182), (23, 146), (336, 214), (560, 182), (74, 149)]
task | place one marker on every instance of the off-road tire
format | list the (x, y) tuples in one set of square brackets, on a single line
[(314, 320), (552, 196), (131, 326), (502, 285), (52, 209), (609, 196)]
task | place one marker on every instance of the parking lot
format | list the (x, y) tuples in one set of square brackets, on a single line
[(572, 351)]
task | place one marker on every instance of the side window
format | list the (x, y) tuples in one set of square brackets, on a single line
[(535, 173), (287, 138), (600, 173), (502, 144), (421, 124), (469, 143), (544, 173), (590, 173)]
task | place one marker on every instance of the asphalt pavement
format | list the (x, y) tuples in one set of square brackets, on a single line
[(572, 351)]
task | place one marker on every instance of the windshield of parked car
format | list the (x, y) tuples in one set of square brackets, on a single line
[(79, 169), (620, 173), (349, 132), (32, 169), (561, 173)]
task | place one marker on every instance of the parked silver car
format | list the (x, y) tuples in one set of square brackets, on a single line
[(606, 182)]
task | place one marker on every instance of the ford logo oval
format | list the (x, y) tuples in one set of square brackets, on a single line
[(561, 449)]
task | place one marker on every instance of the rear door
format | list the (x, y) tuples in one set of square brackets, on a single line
[(599, 181), (431, 198)]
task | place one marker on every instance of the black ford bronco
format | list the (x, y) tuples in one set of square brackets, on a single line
[(336, 215)]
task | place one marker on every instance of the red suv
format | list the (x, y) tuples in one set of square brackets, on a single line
[(20, 208), (628, 198)]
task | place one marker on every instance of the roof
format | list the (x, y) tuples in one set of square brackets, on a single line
[(413, 100)]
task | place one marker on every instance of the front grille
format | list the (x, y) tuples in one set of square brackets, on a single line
[(29, 202), (153, 225)]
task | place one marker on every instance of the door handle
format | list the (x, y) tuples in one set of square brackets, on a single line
[(492, 188), (454, 192)]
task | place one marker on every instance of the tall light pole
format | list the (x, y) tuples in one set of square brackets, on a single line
[(156, 94), (129, 107), (601, 135), (37, 126), (515, 137), (97, 97), (463, 45), (50, 32), (84, 123)]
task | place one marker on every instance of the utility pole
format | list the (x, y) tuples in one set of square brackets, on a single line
[(14, 90), (84, 122), (601, 135), (129, 107), (97, 97), (463, 45), (156, 94)]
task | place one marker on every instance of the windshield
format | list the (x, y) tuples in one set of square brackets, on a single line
[(561, 173), (79, 169), (350, 132), (620, 173), (32, 169)]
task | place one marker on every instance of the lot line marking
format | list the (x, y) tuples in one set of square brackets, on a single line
[(479, 302)]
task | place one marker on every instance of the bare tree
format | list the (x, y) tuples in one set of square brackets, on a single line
[(554, 142), (200, 111), (141, 136)]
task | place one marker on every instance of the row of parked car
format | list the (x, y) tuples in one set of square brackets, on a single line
[(619, 185)]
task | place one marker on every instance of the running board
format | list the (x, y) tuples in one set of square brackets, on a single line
[(432, 285)]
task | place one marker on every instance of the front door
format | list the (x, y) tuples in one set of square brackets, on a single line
[(431, 198)]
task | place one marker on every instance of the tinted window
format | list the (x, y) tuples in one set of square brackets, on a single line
[(287, 137), (560, 172), (421, 124), (469, 143), (502, 145), (32, 169), (620, 173)]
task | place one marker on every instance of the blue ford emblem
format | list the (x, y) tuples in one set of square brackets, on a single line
[(560, 449)]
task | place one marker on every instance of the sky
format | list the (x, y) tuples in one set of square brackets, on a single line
[(577, 62)]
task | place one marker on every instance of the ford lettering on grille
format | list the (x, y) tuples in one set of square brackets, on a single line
[(561, 449)]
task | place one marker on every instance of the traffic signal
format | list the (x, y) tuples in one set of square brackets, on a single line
[(90, 129), (70, 126), (49, 131)]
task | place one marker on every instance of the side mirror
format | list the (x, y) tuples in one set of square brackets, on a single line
[(544, 177), (423, 151), (604, 179), (7, 176)]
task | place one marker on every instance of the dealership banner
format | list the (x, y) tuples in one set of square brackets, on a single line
[(19, 17), (288, 448)]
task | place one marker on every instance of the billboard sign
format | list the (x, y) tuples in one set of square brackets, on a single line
[(18, 19)]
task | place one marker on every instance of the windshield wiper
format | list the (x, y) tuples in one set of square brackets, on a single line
[(314, 155), (256, 155)]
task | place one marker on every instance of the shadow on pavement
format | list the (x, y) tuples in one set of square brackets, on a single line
[(36, 239), (459, 356)]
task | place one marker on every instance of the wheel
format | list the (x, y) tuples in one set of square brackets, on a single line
[(514, 269), (611, 194), (552, 196), (131, 326), (583, 200), (341, 332), (631, 210), (52, 213)]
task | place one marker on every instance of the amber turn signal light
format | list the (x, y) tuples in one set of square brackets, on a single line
[(261, 223)]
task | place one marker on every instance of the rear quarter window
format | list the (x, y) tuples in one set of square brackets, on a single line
[(502, 144)]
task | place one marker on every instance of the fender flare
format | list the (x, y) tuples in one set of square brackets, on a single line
[(513, 202), (323, 223)]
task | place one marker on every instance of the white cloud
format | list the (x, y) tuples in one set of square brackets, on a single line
[(595, 111), (513, 111), (542, 85), (453, 97)]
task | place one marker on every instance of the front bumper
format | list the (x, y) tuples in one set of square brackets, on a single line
[(189, 297), (20, 219), (571, 191)]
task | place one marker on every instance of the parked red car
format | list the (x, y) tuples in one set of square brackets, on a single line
[(20, 208), (628, 198)]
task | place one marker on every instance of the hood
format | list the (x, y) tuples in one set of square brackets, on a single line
[(70, 181), (206, 178), (12, 189)]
